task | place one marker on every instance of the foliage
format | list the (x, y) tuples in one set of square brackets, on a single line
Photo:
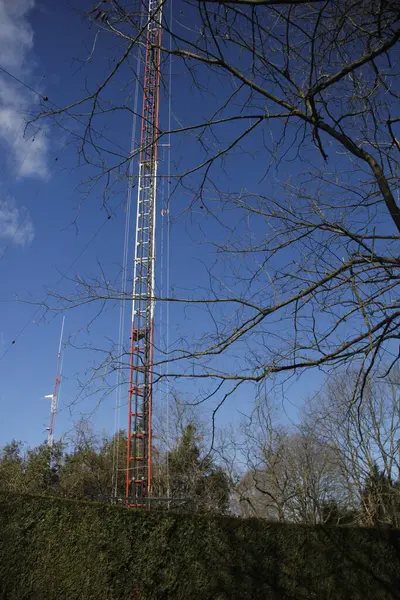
[(11, 469), (94, 469), (196, 477), (338, 466), (89, 470), (56, 549), (42, 469)]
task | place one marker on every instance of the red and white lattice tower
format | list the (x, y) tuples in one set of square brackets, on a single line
[(139, 444), (54, 396)]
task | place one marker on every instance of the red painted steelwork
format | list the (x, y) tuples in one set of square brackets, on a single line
[(140, 399)]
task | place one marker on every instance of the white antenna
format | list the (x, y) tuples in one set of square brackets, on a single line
[(54, 395)]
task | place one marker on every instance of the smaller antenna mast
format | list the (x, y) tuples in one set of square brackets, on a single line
[(54, 395)]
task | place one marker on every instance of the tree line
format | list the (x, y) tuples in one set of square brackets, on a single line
[(92, 467), (340, 464)]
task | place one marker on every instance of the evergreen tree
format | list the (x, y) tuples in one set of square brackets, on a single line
[(11, 467), (95, 469), (196, 478), (42, 466)]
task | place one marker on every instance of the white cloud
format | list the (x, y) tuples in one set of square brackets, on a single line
[(28, 156), (16, 226)]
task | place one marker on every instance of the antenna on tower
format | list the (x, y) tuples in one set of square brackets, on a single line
[(54, 396), (140, 398)]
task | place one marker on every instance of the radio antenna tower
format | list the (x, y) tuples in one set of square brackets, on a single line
[(139, 443), (54, 395)]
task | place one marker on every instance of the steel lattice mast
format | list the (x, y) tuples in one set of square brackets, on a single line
[(139, 444), (54, 395)]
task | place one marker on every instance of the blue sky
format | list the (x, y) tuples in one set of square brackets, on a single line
[(39, 202), (50, 226)]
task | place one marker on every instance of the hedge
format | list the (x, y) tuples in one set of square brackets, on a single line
[(54, 549)]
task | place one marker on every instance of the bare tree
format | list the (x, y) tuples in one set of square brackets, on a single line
[(289, 475), (306, 258), (364, 436)]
